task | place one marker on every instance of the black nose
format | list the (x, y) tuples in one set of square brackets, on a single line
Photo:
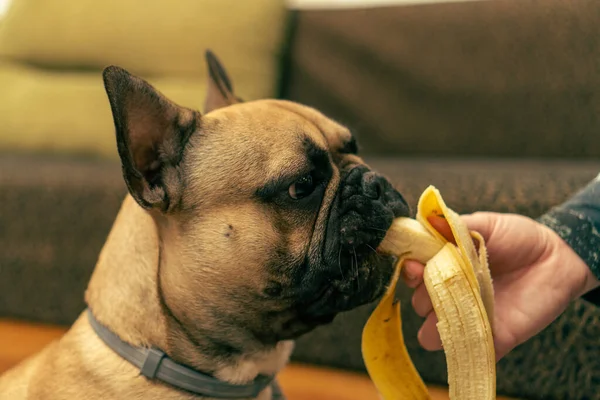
[(373, 185), (376, 187), (368, 205)]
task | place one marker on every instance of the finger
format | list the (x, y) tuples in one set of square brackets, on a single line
[(412, 273), (421, 301), (441, 225), (428, 335), (482, 222)]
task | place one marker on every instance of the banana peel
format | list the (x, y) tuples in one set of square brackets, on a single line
[(459, 284)]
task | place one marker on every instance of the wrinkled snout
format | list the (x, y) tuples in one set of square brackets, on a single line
[(368, 205), (364, 209)]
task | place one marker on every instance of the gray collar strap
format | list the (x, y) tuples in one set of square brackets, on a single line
[(156, 365)]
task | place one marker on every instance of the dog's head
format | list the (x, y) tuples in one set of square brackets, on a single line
[(268, 219)]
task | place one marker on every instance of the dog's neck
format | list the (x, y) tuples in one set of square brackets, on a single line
[(124, 296)]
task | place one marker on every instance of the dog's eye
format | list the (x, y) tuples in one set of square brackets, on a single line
[(302, 187)]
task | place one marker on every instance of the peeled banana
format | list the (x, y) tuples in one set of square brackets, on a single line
[(459, 284)]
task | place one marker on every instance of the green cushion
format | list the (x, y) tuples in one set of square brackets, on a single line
[(148, 37), (52, 53), (54, 112)]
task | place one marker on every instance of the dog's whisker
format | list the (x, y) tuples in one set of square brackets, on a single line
[(376, 229), (340, 262), (357, 268), (351, 267), (374, 251)]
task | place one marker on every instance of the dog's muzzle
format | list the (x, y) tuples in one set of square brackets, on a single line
[(354, 273), (368, 205)]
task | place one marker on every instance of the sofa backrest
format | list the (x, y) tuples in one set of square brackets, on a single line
[(506, 78)]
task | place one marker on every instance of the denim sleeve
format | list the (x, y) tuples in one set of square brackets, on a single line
[(577, 222)]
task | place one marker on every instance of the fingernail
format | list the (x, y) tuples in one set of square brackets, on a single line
[(410, 276)]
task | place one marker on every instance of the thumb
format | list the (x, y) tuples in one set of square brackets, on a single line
[(482, 221)]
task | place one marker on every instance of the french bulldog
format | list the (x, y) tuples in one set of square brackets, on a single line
[(243, 228)]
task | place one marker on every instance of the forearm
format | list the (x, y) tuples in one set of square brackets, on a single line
[(577, 222)]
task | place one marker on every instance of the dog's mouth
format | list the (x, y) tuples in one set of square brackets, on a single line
[(366, 284), (354, 273)]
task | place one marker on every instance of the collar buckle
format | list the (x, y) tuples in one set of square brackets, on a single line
[(152, 363)]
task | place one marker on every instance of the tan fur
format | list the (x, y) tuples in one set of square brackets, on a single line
[(174, 279)]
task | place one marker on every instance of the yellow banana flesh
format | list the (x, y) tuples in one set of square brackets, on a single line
[(459, 284)]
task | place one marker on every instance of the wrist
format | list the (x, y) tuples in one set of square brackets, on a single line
[(591, 282), (576, 274), (574, 229)]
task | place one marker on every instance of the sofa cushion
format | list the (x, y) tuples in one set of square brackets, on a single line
[(51, 111), (56, 213), (504, 78), (52, 53), (148, 37)]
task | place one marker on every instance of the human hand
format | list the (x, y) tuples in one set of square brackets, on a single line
[(535, 275)]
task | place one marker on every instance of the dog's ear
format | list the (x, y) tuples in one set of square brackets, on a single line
[(152, 132), (220, 90)]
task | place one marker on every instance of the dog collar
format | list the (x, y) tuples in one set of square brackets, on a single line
[(154, 364)]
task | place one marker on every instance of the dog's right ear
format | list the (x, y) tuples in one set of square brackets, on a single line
[(152, 132), (220, 90)]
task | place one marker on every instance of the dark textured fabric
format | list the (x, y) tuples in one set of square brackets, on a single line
[(55, 215), (501, 78), (577, 221)]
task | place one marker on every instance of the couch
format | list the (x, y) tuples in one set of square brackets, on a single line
[(495, 103)]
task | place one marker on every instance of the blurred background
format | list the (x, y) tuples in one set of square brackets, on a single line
[(494, 102)]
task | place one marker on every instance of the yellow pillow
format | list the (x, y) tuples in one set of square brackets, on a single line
[(52, 52), (53, 112), (149, 37)]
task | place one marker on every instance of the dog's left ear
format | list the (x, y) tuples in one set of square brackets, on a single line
[(152, 132), (220, 90)]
